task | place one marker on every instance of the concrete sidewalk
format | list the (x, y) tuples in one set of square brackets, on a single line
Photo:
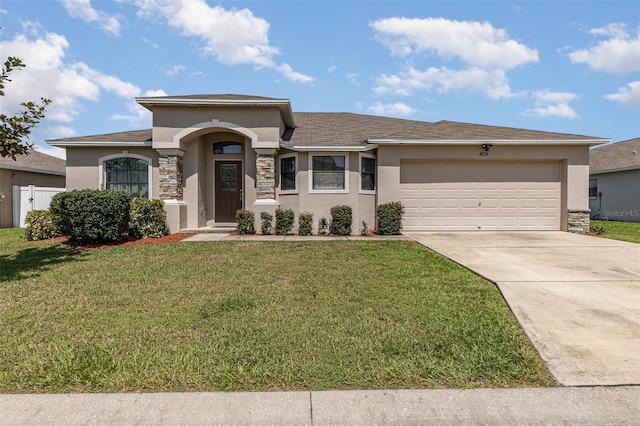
[(539, 406), (257, 237)]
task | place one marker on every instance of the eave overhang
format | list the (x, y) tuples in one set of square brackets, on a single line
[(32, 170), (115, 144), (521, 142), (329, 148)]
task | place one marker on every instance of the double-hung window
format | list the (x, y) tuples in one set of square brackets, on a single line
[(329, 173), (288, 172), (367, 173)]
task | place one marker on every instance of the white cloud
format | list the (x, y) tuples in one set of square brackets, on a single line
[(397, 109), (233, 36), (175, 69), (553, 104), (82, 9), (477, 44), (138, 115), (353, 78), (484, 52), (48, 75), (52, 150), (619, 54), (492, 83), (629, 95), (55, 132)]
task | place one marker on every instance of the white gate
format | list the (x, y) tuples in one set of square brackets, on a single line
[(27, 198)]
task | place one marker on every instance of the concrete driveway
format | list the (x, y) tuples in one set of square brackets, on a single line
[(577, 297)]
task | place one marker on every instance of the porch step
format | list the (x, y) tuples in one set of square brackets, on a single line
[(217, 229)]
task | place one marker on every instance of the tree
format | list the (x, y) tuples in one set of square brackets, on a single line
[(15, 129)]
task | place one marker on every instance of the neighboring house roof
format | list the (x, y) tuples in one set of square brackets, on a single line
[(35, 162), (618, 156)]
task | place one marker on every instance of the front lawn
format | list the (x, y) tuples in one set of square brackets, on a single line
[(624, 231), (252, 316)]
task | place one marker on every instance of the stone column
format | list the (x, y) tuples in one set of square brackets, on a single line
[(265, 184), (170, 169), (579, 221), (265, 176), (171, 188)]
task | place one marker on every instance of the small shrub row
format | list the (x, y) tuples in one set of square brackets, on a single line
[(389, 218)]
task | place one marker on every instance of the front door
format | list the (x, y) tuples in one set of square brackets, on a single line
[(228, 193)]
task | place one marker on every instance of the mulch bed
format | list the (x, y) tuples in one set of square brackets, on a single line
[(128, 242)]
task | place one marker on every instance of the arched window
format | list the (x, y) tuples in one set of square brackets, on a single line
[(127, 174)]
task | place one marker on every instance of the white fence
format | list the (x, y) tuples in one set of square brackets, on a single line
[(27, 198)]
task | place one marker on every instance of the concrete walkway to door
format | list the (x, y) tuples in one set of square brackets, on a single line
[(577, 297)]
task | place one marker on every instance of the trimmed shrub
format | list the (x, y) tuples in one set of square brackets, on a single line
[(305, 223), (267, 223), (323, 226), (390, 218), (284, 221), (244, 222), (148, 218), (40, 225), (91, 215), (341, 220)]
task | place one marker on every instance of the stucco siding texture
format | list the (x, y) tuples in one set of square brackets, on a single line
[(618, 196)]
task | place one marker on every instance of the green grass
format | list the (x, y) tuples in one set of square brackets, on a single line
[(624, 231), (252, 316)]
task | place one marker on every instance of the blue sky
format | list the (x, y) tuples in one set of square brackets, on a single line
[(561, 66)]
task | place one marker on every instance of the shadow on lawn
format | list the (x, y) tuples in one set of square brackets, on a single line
[(31, 261)]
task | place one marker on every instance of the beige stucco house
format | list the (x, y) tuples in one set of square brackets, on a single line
[(614, 181), (209, 155)]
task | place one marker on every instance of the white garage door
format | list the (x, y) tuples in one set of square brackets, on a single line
[(486, 196)]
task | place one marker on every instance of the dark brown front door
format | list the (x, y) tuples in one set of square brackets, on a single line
[(228, 195)]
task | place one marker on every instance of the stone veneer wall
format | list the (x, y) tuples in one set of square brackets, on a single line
[(170, 168), (579, 221), (265, 177)]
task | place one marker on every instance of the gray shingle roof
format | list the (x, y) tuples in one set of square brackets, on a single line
[(34, 161), (348, 129), (615, 156)]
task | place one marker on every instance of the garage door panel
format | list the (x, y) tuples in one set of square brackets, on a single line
[(462, 195)]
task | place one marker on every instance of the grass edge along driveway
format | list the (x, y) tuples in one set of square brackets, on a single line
[(252, 316)]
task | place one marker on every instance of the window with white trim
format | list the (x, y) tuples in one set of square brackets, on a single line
[(289, 173), (329, 173), (367, 173)]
